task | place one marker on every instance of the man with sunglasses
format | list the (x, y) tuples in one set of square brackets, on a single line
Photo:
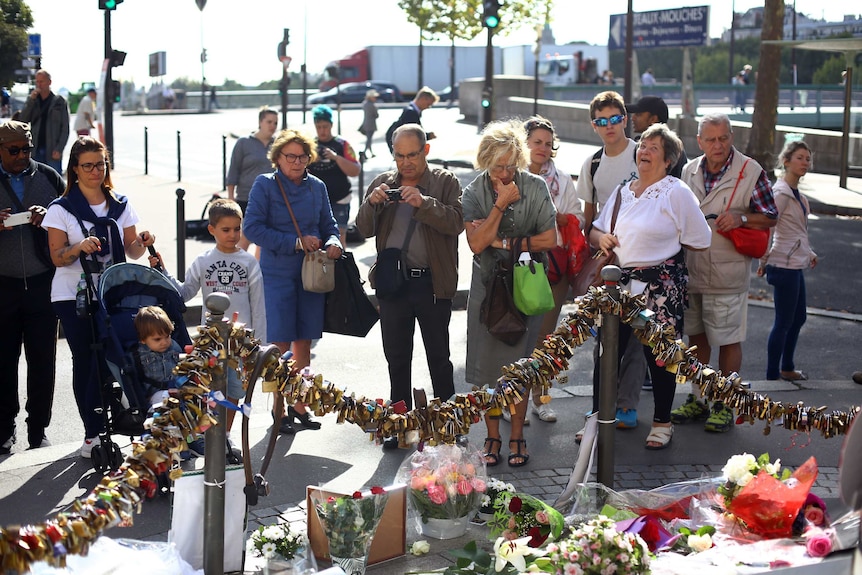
[(26, 272), (611, 166), (415, 209), (48, 114)]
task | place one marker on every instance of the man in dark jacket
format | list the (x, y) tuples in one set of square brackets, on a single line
[(412, 113), (26, 272), (48, 115)]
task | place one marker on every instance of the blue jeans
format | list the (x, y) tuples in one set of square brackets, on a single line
[(43, 156), (789, 298)]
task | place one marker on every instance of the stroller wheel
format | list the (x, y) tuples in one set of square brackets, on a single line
[(99, 456), (115, 456)]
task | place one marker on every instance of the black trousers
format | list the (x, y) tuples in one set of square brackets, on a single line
[(27, 318), (398, 316)]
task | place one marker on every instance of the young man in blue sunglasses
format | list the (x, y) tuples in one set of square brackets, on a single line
[(613, 165)]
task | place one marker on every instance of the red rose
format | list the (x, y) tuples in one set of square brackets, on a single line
[(536, 537), (814, 515), (357, 495), (515, 504), (377, 490)]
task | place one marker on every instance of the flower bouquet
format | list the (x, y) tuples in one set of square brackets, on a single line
[(284, 550), (517, 515), (596, 547), (493, 488), (445, 488), (349, 523)]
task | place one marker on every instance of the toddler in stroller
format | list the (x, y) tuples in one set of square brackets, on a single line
[(156, 356)]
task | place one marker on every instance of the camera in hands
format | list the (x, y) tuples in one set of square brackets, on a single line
[(394, 195)]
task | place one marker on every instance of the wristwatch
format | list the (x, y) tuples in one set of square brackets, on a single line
[(744, 219)]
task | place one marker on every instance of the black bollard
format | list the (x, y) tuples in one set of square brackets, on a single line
[(362, 160), (146, 152), (223, 162), (179, 159), (609, 367), (181, 235)]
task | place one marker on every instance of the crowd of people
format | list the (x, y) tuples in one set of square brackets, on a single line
[(663, 216)]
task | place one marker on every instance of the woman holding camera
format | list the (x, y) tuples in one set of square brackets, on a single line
[(294, 317), (503, 203)]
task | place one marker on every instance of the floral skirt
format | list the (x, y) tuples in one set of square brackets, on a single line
[(667, 288)]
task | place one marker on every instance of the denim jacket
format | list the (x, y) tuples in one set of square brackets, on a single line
[(159, 366)]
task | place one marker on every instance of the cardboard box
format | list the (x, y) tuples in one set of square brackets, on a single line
[(389, 541)]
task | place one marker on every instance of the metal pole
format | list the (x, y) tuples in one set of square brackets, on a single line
[(362, 159), (793, 61), (214, 449), (845, 134), (609, 366), (223, 162), (488, 113), (179, 158), (284, 87), (146, 151), (107, 96), (181, 235), (732, 73), (627, 89)]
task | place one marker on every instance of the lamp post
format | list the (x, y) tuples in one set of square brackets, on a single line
[(731, 73), (793, 61)]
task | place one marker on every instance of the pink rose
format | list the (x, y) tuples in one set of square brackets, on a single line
[(814, 515), (437, 494), (542, 517), (464, 487), (479, 485), (818, 544)]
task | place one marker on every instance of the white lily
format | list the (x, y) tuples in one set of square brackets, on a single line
[(512, 551)]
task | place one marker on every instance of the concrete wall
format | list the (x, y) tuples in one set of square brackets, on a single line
[(513, 97)]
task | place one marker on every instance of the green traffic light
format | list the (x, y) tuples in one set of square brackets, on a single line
[(492, 21), (486, 103), (111, 4)]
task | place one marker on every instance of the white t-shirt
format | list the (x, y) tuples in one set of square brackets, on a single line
[(613, 171), (65, 284), (85, 106), (653, 227)]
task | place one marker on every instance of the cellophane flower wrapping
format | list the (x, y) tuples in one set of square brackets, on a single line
[(518, 515), (444, 481), (350, 521), (768, 506)]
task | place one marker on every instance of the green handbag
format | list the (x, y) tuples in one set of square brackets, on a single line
[(532, 292)]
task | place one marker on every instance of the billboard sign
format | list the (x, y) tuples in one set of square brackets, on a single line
[(673, 28)]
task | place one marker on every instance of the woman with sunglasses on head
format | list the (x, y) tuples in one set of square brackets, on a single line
[(503, 203), (89, 228), (294, 317)]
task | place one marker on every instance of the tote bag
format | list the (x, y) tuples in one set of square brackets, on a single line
[(532, 291), (348, 311), (498, 313)]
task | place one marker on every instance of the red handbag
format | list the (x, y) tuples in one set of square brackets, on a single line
[(749, 242)]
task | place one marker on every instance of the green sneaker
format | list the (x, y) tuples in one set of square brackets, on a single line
[(720, 420), (691, 410)]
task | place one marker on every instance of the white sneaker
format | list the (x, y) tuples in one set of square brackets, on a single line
[(89, 444), (507, 417), (544, 412)]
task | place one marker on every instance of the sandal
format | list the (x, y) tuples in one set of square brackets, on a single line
[(794, 375), (661, 435), (524, 457), (489, 454)]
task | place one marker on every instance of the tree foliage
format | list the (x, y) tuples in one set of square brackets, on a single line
[(761, 142), (16, 19), (462, 19)]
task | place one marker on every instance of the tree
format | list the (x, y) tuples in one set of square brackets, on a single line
[(16, 19), (761, 142)]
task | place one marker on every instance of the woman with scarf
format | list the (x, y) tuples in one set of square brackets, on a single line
[(89, 228), (542, 143), (658, 216)]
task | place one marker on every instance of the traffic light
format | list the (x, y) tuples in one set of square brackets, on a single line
[(491, 13), (282, 46), (115, 90), (109, 4), (203, 56), (486, 98)]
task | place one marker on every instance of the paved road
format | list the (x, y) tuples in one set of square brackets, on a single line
[(36, 484)]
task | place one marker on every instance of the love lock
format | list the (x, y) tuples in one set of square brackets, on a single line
[(261, 485)]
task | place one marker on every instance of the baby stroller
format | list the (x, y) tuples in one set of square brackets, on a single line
[(123, 289)]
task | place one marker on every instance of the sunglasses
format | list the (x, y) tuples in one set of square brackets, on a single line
[(613, 121), (15, 150)]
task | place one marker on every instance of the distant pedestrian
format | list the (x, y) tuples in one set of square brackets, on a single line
[(788, 257), (26, 270), (647, 79), (85, 118), (412, 113), (213, 103), (48, 115), (249, 159), (369, 119)]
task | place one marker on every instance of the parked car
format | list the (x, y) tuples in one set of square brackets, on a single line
[(354, 93)]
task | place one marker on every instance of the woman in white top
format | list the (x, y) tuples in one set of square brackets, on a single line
[(658, 216), (784, 264), (92, 225)]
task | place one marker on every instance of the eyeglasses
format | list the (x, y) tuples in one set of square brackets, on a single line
[(15, 150), (499, 169), (88, 167), (293, 158), (410, 156), (613, 121)]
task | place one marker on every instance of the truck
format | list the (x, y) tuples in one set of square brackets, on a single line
[(399, 65), (559, 65)]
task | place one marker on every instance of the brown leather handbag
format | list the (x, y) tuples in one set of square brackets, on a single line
[(498, 312), (591, 274)]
